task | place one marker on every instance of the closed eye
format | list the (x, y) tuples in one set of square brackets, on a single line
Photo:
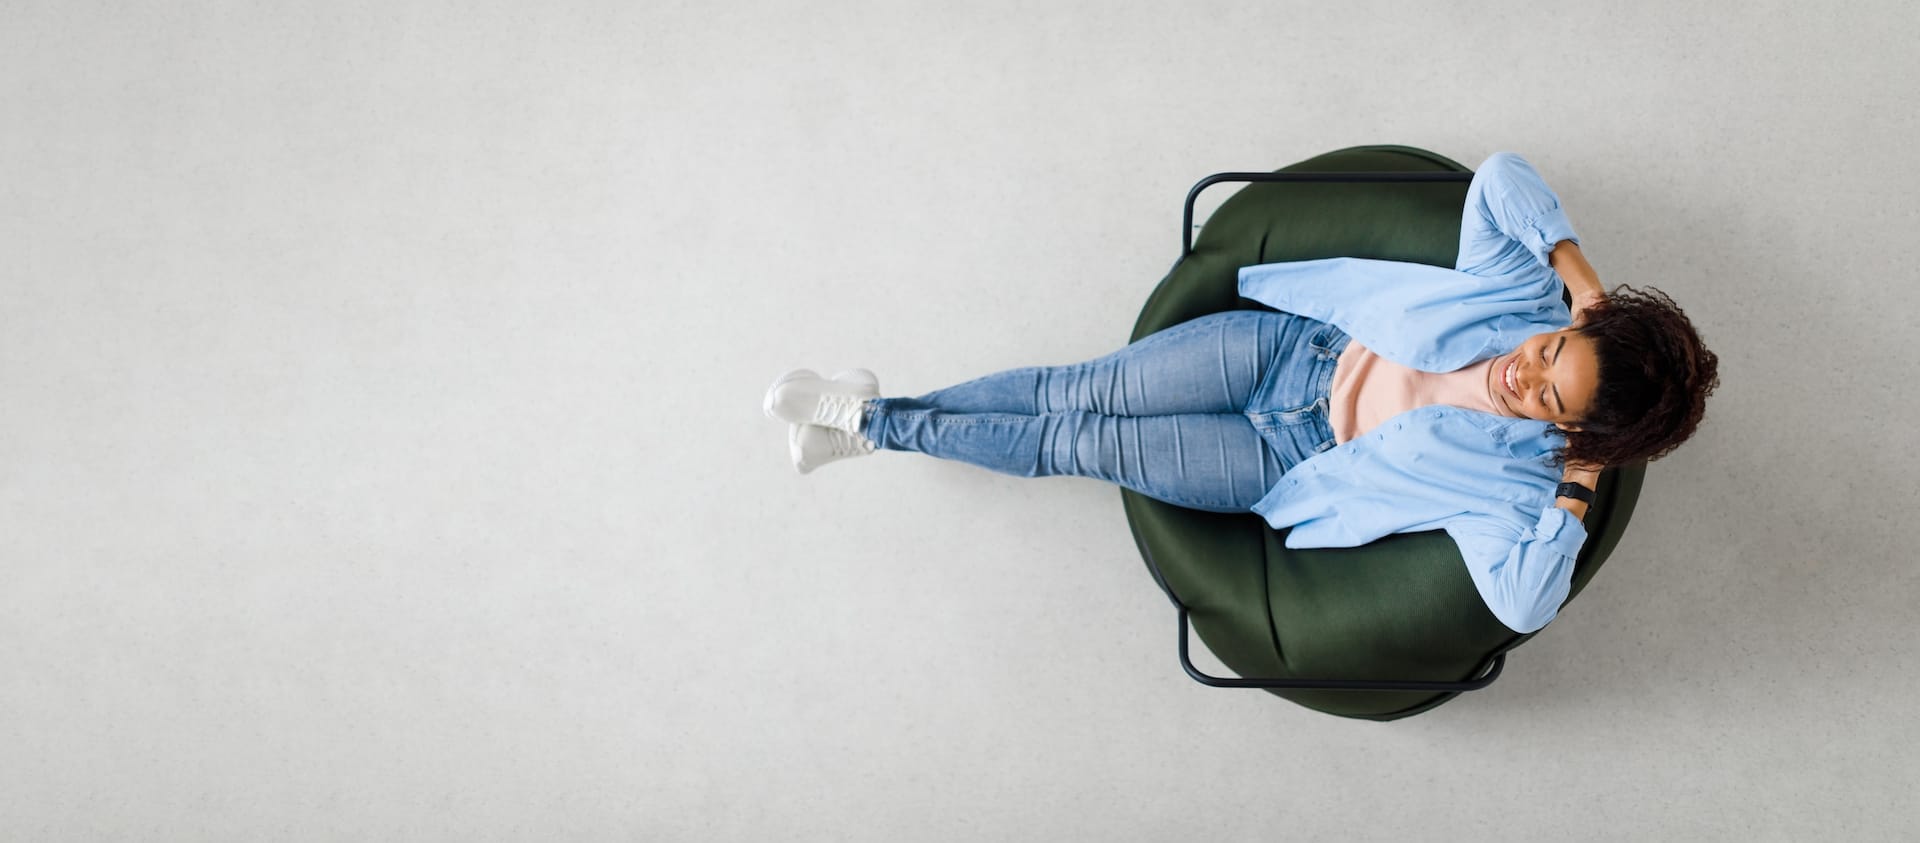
[(1556, 358), (1543, 362)]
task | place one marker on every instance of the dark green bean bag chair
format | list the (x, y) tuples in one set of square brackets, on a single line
[(1401, 608)]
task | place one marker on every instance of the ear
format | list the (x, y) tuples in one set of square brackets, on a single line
[(1570, 428)]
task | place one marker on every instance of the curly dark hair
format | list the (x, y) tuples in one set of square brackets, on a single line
[(1655, 376)]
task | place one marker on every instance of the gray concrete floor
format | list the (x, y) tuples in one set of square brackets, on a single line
[(382, 456)]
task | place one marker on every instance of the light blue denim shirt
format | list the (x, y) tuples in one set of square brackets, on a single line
[(1485, 479)]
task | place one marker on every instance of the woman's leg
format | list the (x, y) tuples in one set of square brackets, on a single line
[(1163, 416), (1212, 364), (1210, 461)]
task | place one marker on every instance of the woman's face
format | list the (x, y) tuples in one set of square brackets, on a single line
[(1550, 378)]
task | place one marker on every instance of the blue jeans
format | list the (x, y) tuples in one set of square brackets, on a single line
[(1207, 414)]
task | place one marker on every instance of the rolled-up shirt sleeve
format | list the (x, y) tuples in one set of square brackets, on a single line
[(1511, 217), (1523, 578)]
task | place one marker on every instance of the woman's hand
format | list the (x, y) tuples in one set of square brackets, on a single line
[(1585, 474), (1583, 284), (1580, 306)]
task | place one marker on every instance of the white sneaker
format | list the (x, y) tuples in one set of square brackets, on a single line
[(803, 397), (861, 378), (813, 446)]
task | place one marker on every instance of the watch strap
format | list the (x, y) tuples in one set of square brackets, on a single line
[(1574, 490)]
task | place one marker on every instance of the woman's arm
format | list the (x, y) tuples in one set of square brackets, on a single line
[(1583, 284), (1584, 475), (1525, 576), (1512, 219)]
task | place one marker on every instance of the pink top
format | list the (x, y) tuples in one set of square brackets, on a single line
[(1369, 389)]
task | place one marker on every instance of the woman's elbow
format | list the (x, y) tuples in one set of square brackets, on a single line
[(1524, 621)]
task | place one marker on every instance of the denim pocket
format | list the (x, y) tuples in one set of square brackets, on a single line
[(1327, 341), (1296, 435), (1298, 416)]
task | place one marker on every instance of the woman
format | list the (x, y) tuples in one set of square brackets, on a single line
[(1382, 397)]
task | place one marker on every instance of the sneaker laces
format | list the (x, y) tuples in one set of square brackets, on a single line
[(849, 445), (841, 412)]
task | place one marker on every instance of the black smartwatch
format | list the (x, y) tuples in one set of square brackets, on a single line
[(1574, 490)]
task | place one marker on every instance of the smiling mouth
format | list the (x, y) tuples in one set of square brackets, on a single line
[(1507, 377)]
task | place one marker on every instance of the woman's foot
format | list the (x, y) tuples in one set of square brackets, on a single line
[(811, 445), (803, 397)]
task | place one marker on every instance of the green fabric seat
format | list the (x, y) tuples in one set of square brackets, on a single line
[(1401, 608)]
